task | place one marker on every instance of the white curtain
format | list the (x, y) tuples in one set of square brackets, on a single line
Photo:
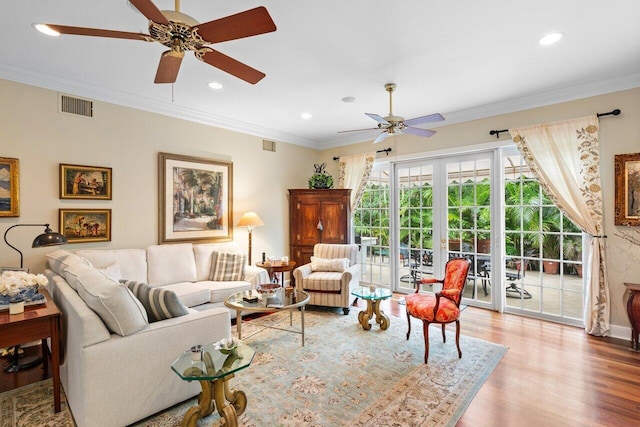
[(565, 158), (354, 173)]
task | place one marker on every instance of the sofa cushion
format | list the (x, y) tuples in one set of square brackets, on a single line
[(203, 253), (60, 259), (132, 262), (191, 294), (329, 264), (118, 308), (324, 281), (171, 264), (159, 303), (219, 291), (226, 267), (112, 271)]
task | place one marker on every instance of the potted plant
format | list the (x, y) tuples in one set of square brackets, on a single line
[(572, 249), (320, 179), (551, 251)]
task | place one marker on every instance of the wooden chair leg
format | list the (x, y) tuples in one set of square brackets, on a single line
[(458, 339), (425, 331), (409, 322), (444, 336)]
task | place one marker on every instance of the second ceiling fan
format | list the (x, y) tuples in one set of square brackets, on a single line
[(181, 33), (393, 125)]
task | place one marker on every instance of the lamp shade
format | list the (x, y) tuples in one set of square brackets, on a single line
[(49, 238), (250, 219)]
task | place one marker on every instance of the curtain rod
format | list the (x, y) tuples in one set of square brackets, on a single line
[(386, 150), (615, 112)]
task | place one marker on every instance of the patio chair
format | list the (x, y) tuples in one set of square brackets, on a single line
[(513, 290), (440, 308)]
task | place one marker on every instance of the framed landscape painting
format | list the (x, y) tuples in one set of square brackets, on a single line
[(85, 225), (627, 171), (85, 182), (195, 200), (9, 187)]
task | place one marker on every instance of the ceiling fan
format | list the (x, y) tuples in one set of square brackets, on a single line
[(393, 125), (181, 33)]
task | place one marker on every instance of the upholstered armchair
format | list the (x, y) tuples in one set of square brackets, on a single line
[(444, 306), (330, 276)]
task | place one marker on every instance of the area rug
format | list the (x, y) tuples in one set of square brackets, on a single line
[(345, 376)]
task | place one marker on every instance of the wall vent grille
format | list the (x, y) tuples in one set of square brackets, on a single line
[(268, 145), (76, 106)]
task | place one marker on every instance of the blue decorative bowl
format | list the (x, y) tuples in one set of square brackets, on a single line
[(26, 294)]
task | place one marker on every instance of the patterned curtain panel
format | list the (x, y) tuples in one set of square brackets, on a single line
[(354, 174), (565, 158)]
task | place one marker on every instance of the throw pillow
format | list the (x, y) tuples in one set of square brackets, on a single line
[(112, 271), (159, 303), (113, 302), (226, 267), (61, 259), (332, 264)]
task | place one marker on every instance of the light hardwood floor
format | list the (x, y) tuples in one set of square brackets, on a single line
[(552, 375)]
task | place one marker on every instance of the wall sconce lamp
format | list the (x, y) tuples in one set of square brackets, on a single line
[(48, 238), (250, 220)]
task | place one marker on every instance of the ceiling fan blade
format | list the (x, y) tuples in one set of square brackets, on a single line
[(357, 130), (437, 117), (150, 11), (380, 137), (81, 31), (420, 132), (244, 24), (231, 66), (377, 118), (169, 66)]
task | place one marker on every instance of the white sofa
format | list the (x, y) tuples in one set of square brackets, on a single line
[(115, 380)]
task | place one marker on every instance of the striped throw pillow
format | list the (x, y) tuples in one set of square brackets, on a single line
[(226, 267), (159, 303)]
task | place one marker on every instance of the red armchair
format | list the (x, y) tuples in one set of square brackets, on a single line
[(442, 307)]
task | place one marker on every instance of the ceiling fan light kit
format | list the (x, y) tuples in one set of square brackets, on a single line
[(181, 33), (397, 125)]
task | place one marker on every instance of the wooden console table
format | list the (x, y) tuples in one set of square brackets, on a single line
[(38, 322), (633, 311)]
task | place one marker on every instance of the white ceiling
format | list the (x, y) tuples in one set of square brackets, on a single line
[(463, 59)]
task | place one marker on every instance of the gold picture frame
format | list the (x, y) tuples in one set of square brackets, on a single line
[(627, 173), (194, 199), (85, 225), (85, 182), (9, 187)]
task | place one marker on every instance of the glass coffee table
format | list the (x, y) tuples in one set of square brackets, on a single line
[(280, 300), (213, 369), (373, 298)]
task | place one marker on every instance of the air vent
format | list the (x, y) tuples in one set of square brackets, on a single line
[(268, 145), (76, 106)]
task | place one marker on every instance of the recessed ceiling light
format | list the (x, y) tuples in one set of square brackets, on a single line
[(45, 30), (349, 99), (550, 39), (306, 116), (215, 85)]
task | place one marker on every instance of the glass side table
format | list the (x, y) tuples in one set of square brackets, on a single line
[(373, 298), (213, 369)]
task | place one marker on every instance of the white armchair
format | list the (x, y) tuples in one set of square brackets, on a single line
[(329, 278)]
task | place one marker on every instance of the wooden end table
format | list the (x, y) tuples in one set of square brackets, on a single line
[(38, 322), (277, 267)]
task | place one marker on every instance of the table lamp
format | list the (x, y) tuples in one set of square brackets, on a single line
[(48, 238), (250, 220)]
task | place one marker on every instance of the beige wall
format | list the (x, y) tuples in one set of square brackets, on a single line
[(618, 135), (128, 141)]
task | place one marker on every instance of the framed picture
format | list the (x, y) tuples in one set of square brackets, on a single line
[(85, 182), (9, 187), (85, 225), (194, 199), (627, 170)]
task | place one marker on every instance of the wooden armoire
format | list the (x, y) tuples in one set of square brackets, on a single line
[(317, 216)]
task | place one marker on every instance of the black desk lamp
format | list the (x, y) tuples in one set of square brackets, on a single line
[(48, 238)]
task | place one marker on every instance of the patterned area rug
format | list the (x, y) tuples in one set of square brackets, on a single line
[(343, 375)]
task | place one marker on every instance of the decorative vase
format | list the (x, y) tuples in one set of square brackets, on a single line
[(27, 293)]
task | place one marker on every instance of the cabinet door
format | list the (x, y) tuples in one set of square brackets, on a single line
[(334, 221), (307, 232)]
